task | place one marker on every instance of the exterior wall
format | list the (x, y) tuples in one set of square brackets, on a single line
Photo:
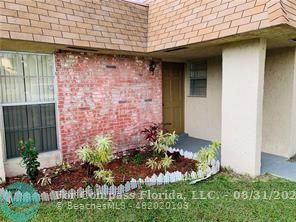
[(94, 99), (48, 159), (242, 106), (279, 99), (106, 24), (203, 114), (172, 23)]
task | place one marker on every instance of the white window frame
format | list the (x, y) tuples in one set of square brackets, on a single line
[(55, 101)]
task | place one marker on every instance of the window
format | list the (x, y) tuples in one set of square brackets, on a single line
[(198, 79), (28, 100)]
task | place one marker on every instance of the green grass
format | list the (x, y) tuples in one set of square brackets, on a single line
[(224, 207)]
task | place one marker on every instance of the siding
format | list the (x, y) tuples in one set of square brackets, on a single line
[(174, 23), (123, 25), (109, 24)]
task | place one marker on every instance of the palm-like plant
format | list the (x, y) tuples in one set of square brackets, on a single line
[(206, 154), (98, 155), (105, 176)]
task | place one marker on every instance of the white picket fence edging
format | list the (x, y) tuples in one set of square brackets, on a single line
[(133, 184)]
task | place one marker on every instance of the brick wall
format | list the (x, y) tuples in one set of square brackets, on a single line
[(94, 99), (110, 24), (174, 23)]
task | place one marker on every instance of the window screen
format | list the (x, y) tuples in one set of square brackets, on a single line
[(198, 79), (28, 101), (30, 121)]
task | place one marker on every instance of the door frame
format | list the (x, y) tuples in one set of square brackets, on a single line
[(183, 65)]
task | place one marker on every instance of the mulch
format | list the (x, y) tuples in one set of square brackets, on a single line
[(123, 169)]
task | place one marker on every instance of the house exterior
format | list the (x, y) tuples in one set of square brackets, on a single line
[(215, 69)]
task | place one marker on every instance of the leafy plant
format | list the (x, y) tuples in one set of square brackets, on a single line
[(166, 162), (105, 176), (163, 141), (151, 132), (29, 155), (152, 163), (45, 180), (160, 147), (138, 159), (65, 166), (206, 154), (98, 155)]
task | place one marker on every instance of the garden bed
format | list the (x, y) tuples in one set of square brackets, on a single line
[(123, 169)]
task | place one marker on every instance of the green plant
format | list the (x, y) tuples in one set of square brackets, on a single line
[(29, 155), (65, 166), (152, 163), (160, 146), (166, 162), (163, 141), (98, 155), (45, 180), (206, 154), (138, 158), (105, 176)]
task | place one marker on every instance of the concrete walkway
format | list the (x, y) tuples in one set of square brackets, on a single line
[(275, 165), (278, 166)]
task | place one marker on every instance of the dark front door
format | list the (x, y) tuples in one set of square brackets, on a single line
[(173, 96)]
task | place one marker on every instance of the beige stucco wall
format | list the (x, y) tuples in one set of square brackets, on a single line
[(242, 106), (279, 102), (13, 166), (203, 114)]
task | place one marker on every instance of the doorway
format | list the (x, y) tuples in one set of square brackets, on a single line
[(173, 96)]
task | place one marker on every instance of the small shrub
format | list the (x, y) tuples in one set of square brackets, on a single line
[(160, 147), (45, 180), (163, 141), (138, 159), (166, 162), (152, 163), (65, 166), (29, 155), (160, 163), (206, 154), (105, 176), (151, 132), (99, 155)]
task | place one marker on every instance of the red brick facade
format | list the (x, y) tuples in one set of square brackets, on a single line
[(104, 94)]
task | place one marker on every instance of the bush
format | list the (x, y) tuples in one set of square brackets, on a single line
[(29, 155), (160, 147), (163, 141), (151, 132), (206, 154), (99, 155), (105, 176), (138, 158)]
